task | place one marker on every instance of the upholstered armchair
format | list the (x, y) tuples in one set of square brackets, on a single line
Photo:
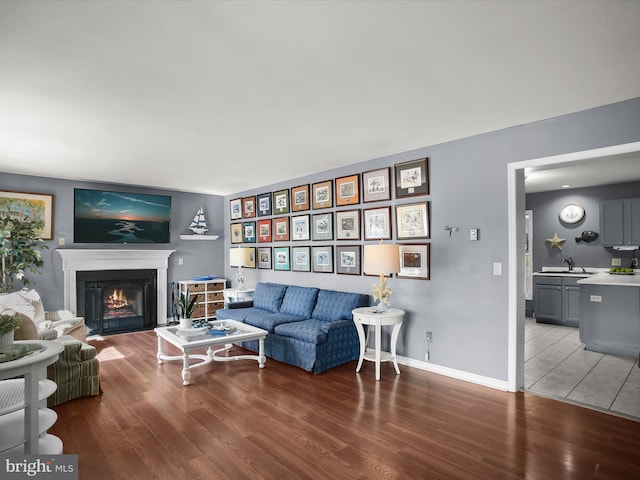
[(50, 325)]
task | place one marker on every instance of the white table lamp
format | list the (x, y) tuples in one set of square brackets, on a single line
[(381, 259), (239, 257)]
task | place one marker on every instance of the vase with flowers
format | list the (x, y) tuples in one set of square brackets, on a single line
[(8, 324)]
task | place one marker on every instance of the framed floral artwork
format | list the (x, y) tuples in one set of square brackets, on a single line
[(348, 259), (414, 261), (264, 258), (322, 194), (264, 204), (249, 207), (377, 223), (412, 178), (348, 225), (376, 186), (281, 258), (300, 259), (348, 190), (235, 207), (322, 259), (300, 227), (264, 231), (280, 229), (236, 233), (249, 232), (412, 220), (281, 202), (322, 226), (300, 198)]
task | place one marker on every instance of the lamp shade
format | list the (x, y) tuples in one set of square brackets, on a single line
[(381, 259), (238, 257)]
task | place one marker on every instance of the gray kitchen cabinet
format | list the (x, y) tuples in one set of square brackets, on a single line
[(620, 222), (557, 300)]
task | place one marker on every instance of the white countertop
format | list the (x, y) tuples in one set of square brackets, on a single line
[(593, 276)]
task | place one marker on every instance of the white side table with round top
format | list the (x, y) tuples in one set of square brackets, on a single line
[(370, 316)]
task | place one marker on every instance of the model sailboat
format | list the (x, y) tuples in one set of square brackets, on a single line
[(199, 228), (199, 223)]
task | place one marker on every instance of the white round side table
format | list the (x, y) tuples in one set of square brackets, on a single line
[(369, 316)]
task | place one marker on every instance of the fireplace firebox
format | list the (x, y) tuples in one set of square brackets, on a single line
[(117, 301)]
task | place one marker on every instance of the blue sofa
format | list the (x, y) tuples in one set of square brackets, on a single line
[(308, 327)]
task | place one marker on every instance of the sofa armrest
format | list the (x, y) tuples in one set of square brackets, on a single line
[(245, 304), (332, 326)]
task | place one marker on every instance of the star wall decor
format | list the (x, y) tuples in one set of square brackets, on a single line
[(555, 242)]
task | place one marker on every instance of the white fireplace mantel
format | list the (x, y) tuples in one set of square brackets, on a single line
[(82, 260)]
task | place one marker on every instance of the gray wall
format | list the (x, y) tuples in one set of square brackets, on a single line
[(199, 257), (464, 304), (546, 205)]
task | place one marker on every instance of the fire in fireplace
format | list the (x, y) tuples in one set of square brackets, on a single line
[(117, 301)]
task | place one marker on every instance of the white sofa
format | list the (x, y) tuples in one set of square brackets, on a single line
[(50, 325)]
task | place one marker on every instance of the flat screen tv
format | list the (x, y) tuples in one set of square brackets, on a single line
[(102, 216)]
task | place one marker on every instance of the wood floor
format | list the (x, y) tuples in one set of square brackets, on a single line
[(239, 422)]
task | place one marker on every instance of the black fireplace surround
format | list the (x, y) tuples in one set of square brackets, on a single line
[(117, 301)]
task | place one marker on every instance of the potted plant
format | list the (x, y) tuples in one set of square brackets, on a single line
[(186, 305), (8, 324), (20, 252)]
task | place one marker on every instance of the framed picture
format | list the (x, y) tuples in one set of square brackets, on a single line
[(412, 178), (264, 231), (301, 259), (413, 220), (376, 186), (37, 207), (248, 207), (264, 257), (348, 259), (281, 258), (300, 227), (235, 207), (322, 259), (300, 198), (348, 190), (252, 258), (280, 228), (236, 233), (249, 232), (264, 204), (414, 261), (322, 226), (322, 194), (377, 223), (281, 202), (348, 225)]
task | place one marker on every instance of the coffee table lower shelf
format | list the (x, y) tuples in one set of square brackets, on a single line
[(188, 343)]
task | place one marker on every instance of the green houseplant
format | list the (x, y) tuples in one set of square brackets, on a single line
[(8, 324), (20, 252)]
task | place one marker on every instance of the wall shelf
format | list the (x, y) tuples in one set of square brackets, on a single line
[(199, 237)]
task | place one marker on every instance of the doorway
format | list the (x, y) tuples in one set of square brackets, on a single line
[(516, 229)]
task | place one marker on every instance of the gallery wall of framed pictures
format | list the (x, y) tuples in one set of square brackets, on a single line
[(322, 227)]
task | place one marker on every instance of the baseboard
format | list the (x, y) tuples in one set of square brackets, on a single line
[(453, 373)]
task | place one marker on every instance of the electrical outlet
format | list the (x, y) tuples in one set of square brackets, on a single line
[(429, 336), (634, 262), (616, 262)]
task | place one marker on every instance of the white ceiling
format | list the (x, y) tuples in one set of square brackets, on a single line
[(218, 97)]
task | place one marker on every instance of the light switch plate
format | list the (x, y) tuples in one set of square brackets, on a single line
[(473, 234)]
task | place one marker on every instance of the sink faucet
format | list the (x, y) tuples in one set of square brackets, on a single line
[(568, 261)]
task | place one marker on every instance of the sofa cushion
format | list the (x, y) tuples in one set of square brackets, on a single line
[(299, 301), (310, 331), (268, 296), (333, 306), (268, 321), (238, 314), (27, 330), (34, 299), (14, 301)]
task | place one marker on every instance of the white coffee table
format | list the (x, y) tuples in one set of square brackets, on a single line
[(192, 339)]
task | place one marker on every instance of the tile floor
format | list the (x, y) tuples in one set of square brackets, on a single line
[(557, 365)]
